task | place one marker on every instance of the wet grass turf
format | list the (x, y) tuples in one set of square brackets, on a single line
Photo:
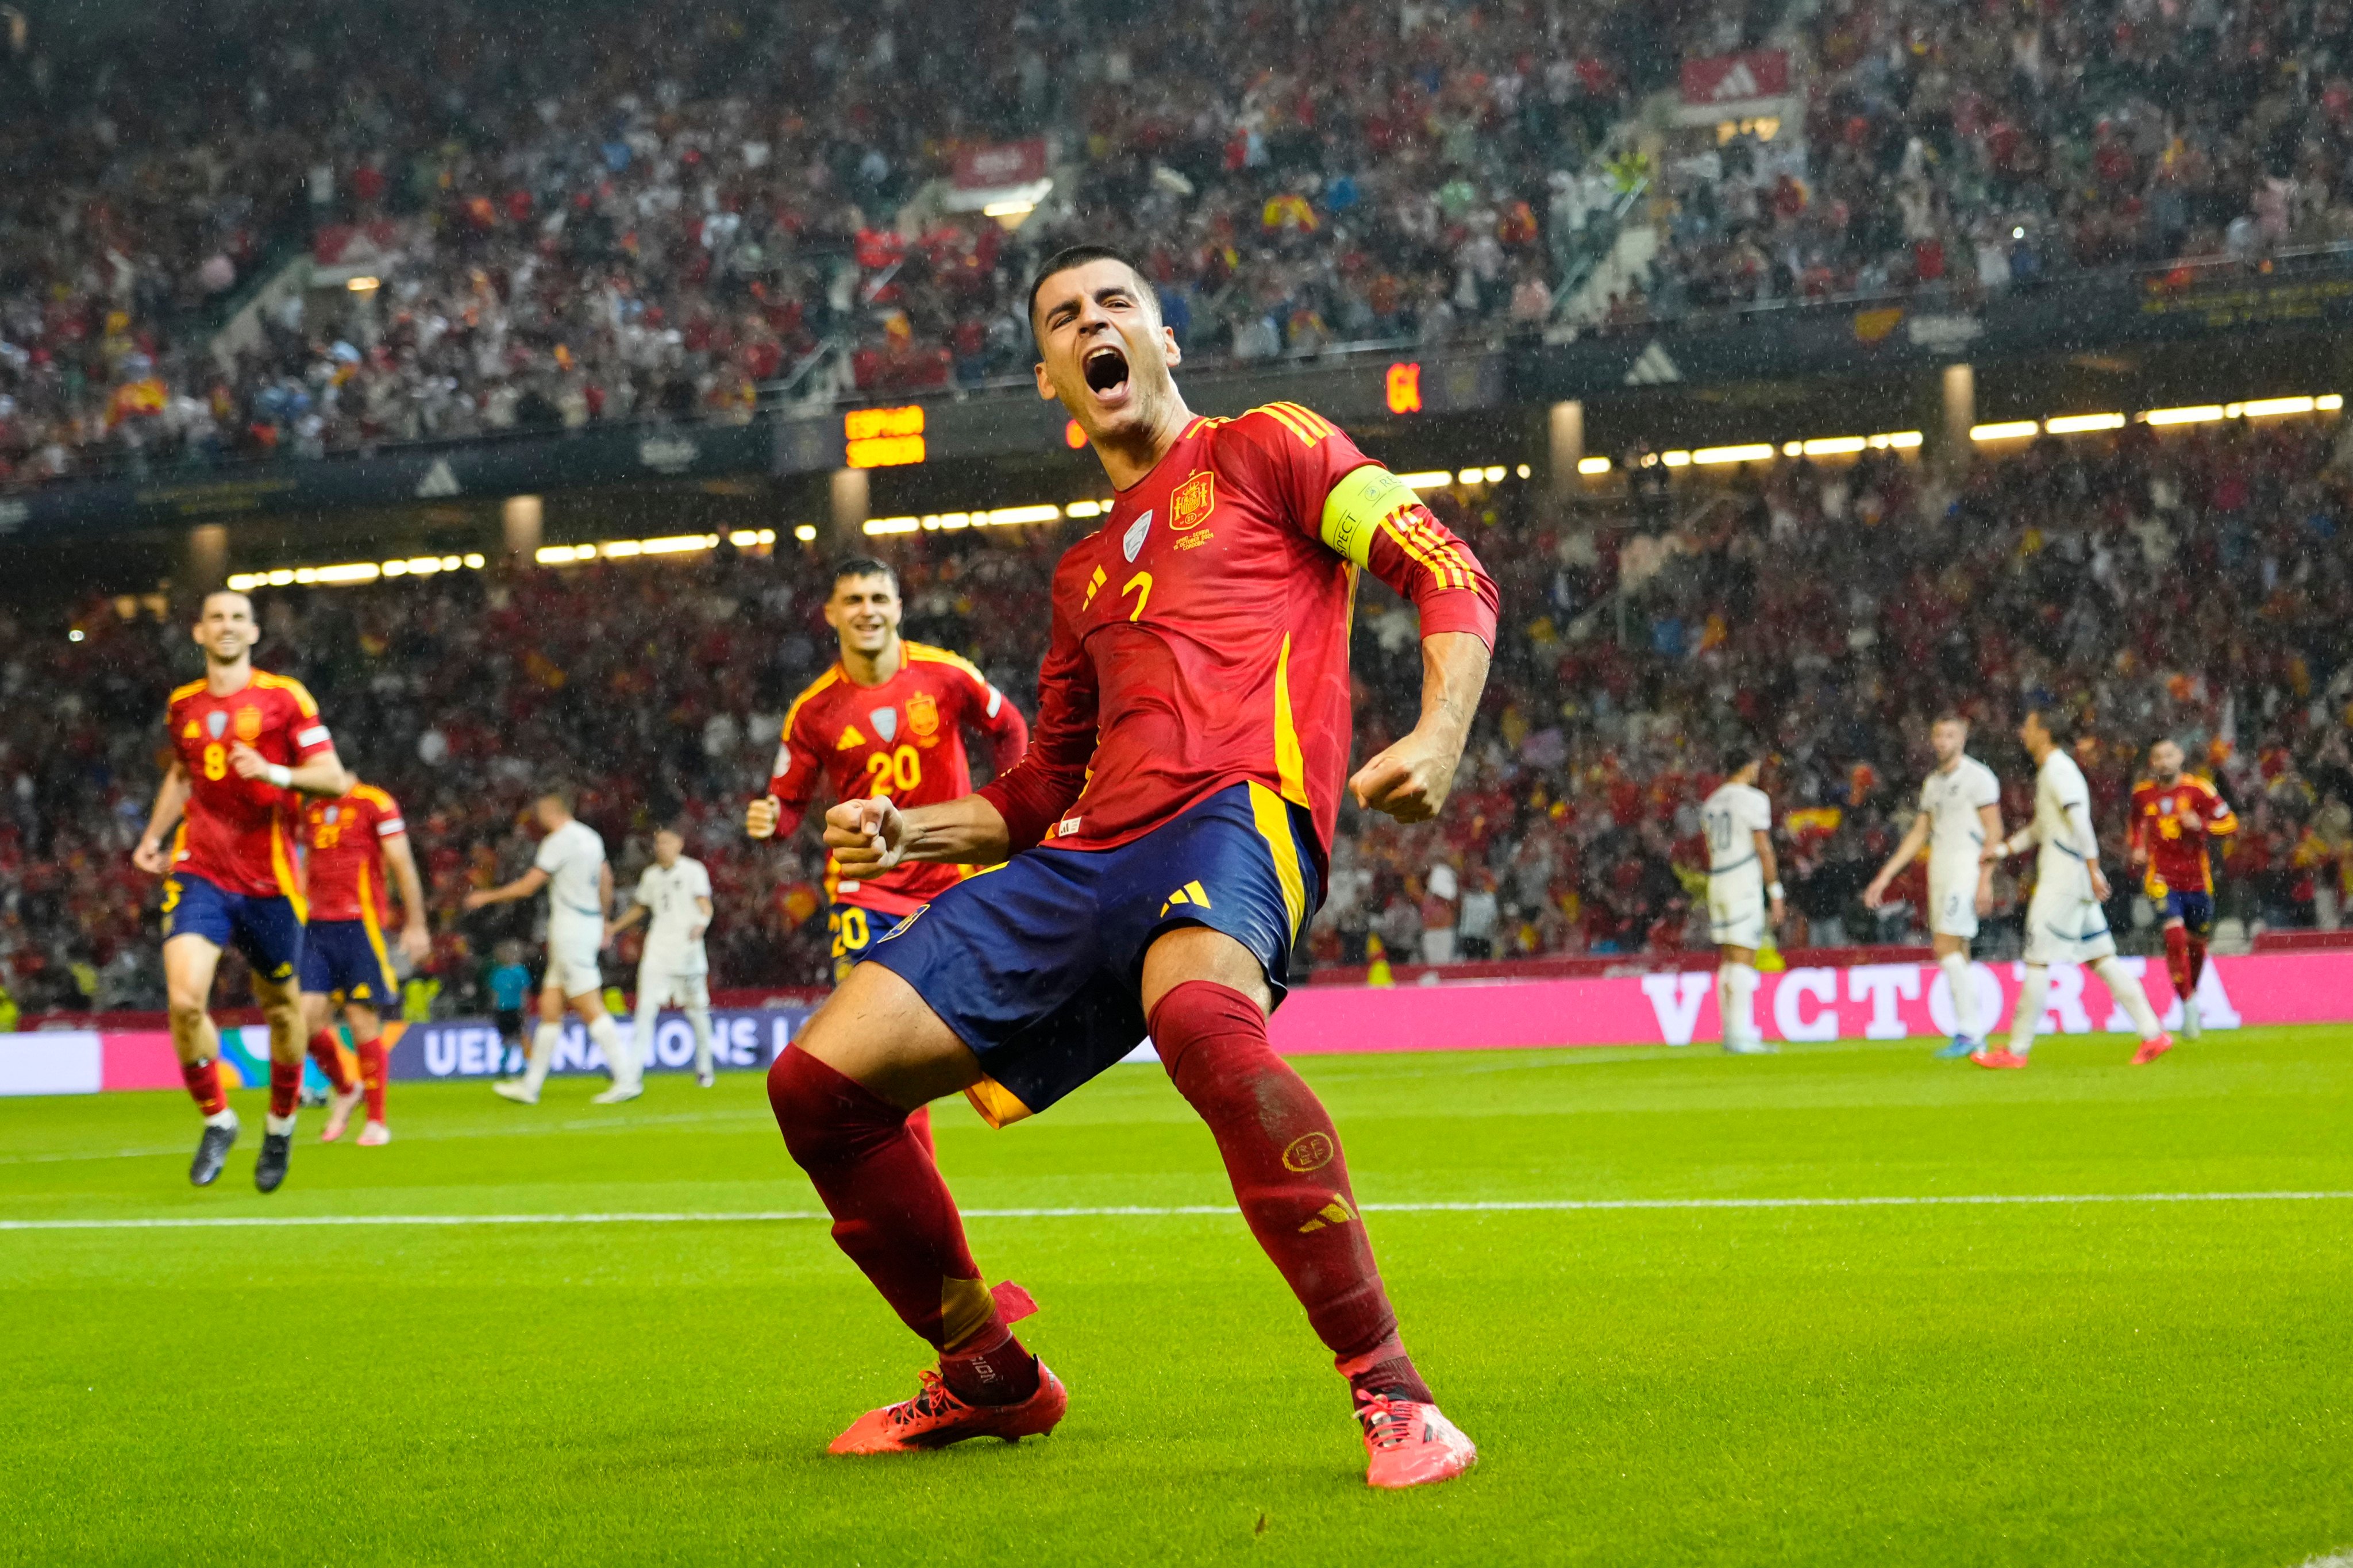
[(2127, 1383)]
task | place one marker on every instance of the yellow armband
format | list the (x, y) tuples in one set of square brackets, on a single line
[(1354, 510)]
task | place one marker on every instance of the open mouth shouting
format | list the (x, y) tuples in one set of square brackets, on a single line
[(1106, 372)]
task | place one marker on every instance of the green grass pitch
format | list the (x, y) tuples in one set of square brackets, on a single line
[(2159, 1382)]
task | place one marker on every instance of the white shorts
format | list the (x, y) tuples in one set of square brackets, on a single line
[(1735, 907), (669, 986), (2065, 925), (1952, 900), (572, 944)]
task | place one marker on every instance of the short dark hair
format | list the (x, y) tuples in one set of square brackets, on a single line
[(1952, 716), (2054, 723), (1740, 753), (1071, 256), (864, 566)]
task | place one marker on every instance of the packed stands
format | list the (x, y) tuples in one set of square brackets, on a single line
[(533, 219)]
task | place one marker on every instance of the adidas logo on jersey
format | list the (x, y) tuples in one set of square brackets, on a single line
[(1652, 367), (850, 739)]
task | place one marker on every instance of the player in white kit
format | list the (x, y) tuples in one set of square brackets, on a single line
[(674, 894), (2064, 921), (1959, 815), (571, 866), (1744, 895)]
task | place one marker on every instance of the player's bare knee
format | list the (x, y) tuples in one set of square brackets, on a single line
[(1199, 952)]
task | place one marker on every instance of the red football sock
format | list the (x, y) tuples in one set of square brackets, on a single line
[(371, 1069), (327, 1052), (894, 1216), (2197, 967), (203, 1079), (919, 1122), (1285, 1159), (285, 1086), (2177, 961)]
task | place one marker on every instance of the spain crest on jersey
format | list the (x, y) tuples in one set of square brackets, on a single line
[(923, 715), (1190, 503), (249, 724)]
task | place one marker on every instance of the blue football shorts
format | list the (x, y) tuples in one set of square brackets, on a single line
[(1037, 964)]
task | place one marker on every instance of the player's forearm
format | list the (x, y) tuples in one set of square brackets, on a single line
[(1914, 837), (967, 831), (171, 801), (411, 885), (1453, 674), (636, 914), (322, 775)]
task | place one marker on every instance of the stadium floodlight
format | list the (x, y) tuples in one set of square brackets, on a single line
[(1756, 452), (677, 544), (881, 525), (1900, 440), (1014, 516), (1471, 475), (1831, 445), (805, 532), (362, 284), (2263, 407), (353, 571), (2200, 414), (1430, 480), (1587, 467), (1494, 473), (2081, 424), (1083, 509), (1675, 459), (2004, 430), (2327, 403)]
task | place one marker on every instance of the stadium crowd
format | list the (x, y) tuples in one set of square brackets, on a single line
[(612, 212), (2199, 587), (1965, 150)]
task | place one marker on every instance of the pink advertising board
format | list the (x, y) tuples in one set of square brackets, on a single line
[(1874, 1001)]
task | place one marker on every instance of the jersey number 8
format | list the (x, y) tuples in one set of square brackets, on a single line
[(898, 770), (215, 762)]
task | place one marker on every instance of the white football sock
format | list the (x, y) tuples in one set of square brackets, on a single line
[(620, 1060), (224, 1117), (2125, 989), (1737, 996), (2032, 998), (1957, 982), (278, 1126), (543, 1056), (642, 1029), (699, 1020)]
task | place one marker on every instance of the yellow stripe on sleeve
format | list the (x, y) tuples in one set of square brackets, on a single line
[(1277, 412)]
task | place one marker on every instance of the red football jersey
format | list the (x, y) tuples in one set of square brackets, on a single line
[(238, 833), (2173, 822), (1200, 637), (903, 738), (343, 843)]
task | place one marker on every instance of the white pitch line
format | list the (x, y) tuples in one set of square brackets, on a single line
[(1133, 1211)]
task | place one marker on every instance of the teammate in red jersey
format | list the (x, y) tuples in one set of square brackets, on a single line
[(1168, 833), (2175, 818), (245, 745), (886, 720), (348, 842)]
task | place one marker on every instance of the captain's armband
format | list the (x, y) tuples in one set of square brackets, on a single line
[(1355, 509)]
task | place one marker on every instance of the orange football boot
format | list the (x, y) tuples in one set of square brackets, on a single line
[(1410, 1443), (936, 1417), (1996, 1058), (2152, 1049)]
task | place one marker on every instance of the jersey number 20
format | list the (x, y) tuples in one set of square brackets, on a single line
[(894, 772)]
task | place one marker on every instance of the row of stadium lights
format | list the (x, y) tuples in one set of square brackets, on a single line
[(1018, 516), (1433, 479), (345, 574), (2004, 430)]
